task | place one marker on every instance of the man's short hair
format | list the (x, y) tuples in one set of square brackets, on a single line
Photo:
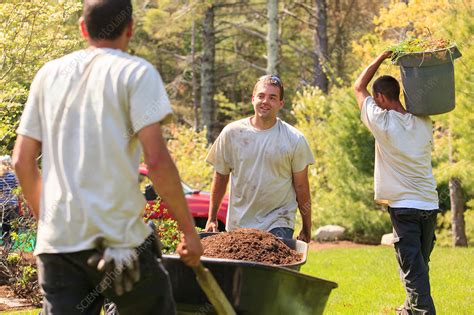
[(107, 19), (388, 86), (271, 79)]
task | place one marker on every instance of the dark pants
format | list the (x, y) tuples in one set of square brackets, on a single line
[(282, 232), (71, 286), (414, 233)]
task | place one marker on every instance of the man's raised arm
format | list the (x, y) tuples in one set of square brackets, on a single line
[(360, 86)]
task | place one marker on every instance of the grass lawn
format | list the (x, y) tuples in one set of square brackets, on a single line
[(369, 283)]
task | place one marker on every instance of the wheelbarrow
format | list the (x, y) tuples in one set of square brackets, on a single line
[(251, 288)]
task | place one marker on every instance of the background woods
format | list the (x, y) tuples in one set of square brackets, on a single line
[(210, 53)]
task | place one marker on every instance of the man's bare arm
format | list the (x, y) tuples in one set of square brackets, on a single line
[(360, 86), (25, 153), (161, 169), (303, 197), (218, 189)]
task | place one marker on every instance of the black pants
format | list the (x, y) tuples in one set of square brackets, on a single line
[(71, 286), (414, 233)]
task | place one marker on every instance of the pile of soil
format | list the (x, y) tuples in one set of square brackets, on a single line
[(250, 245)]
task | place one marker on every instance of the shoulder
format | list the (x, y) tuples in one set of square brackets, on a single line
[(139, 62), (236, 126), (421, 122), (371, 108), (136, 62), (289, 130)]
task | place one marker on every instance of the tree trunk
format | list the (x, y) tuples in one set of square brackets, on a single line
[(321, 47), (457, 209), (194, 79), (207, 74), (272, 37), (457, 203)]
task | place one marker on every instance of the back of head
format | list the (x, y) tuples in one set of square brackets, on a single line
[(107, 19), (388, 86)]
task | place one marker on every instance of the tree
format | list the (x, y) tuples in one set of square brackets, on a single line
[(272, 37), (207, 73), (321, 47)]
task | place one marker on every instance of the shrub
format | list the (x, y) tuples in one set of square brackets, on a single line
[(189, 150), (444, 233)]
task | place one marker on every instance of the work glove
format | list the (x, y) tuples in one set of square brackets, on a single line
[(121, 267)]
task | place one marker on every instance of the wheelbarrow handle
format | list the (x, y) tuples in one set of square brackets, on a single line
[(213, 291)]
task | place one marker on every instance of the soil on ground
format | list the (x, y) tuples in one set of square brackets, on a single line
[(8, 301), (250, 245)]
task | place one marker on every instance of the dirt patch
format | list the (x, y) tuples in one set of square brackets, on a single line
[(337, 244), (249, 245), (9, 303)]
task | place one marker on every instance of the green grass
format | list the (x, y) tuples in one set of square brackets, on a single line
[(369, 283)]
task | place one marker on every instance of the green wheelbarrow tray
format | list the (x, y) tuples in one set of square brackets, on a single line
[(251, 288)]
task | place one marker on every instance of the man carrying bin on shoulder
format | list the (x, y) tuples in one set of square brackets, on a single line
[(403, 180)]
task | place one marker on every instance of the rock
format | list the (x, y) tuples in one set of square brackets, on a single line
[(387, 239), (329, 233)]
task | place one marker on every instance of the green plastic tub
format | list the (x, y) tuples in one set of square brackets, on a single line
[(428, 81)]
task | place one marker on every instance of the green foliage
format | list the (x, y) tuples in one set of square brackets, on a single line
[(229, 111), (444, 232), (369, 282), (28, 273), (13, 258), (31, 34), (411, 45), (169, 234), (189, 150), (166, 228), (341, 179)]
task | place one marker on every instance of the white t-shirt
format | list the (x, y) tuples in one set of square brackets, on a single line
[(86, 109), (402, 157), (261, 164)]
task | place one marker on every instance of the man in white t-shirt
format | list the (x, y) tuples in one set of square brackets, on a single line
[(91, 114), (267, 161), (403, 180)]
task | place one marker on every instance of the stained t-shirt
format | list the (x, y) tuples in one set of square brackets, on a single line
[(86, 109), (403, 143), (261, 164)]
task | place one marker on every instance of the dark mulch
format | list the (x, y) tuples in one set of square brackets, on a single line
[(249, 245)]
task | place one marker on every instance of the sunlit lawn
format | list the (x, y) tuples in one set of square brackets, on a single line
[(369, 283)]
